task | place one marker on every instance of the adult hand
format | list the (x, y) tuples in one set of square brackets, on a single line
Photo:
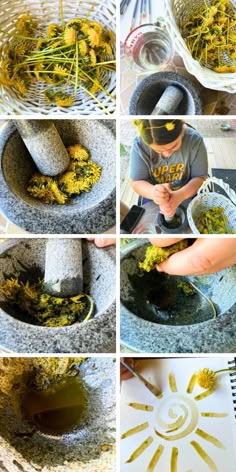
[(125, 374), (205, 256), (161, 193), (103, 242)]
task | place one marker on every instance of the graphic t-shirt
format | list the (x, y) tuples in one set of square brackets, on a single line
[(183, 165)]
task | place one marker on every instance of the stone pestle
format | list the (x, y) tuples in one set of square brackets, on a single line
[(44, 145), (63, 267), (169, 101)]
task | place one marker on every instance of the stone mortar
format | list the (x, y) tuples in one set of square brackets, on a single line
[(83, 450), (209, 336), (92, 212), (149, 91), (95, 335)]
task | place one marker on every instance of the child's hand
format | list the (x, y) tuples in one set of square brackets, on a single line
[(161, 194), (169, 208), (205, 256)]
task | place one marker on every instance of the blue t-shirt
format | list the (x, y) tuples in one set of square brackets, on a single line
[(183, 165)]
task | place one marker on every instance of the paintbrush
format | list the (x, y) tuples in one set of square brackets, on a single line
[(144, 11), (141, 11), (154, 390), (123, 6), (150, 11), (134, 15)]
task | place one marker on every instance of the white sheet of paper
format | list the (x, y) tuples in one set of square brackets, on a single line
[(221, 401)]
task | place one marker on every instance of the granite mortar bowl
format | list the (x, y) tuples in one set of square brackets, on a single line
[(92, 212), (94, 335), (148, 92), (166, 227), (191, 328), (87, 448)]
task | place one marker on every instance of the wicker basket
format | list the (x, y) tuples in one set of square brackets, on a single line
[(47, 11), (176, 13), (207, 199)]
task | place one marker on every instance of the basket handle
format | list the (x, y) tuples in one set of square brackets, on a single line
[(205, 188)]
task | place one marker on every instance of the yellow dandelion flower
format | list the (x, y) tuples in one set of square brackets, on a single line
[(170, 126), (29, 291), (84, 185), (5, 65), (70, 184), (111, 36), (21, 49), (97, 26), (66, 178), (56, 44), (78, 152), (41, 44), (93, 37), (139, 124), (106, 48), (24, 22), (85, 27), (59, 196), (20, 85), (93, 57), (59, 70), (70, 36), (76, 22), (95, 87), (37, 69), (10, 288), (83, 47), (225, 69), (53, 30), (95, 171), (206, 378), (63, 100), (39, 179), (5, 80), (50, 79)]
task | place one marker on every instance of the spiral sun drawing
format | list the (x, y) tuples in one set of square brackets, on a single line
[(188, 427)]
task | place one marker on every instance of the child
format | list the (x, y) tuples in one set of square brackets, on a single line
[(168, 163)]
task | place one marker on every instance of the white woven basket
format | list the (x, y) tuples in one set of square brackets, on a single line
[(176, 13), (45, 12), (207, 199)]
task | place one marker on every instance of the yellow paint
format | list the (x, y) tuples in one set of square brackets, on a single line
[(145, 444), (141, 406), (209, 414), (135, 430), (190, 414), (192, 383), (172, 383), (211, 464), (174, 459), (204, 394), (155, 458), (172, 414), (209, 438)]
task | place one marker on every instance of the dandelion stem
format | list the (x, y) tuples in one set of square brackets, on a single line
[(233, 369), (76, 68), (61, 13)]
